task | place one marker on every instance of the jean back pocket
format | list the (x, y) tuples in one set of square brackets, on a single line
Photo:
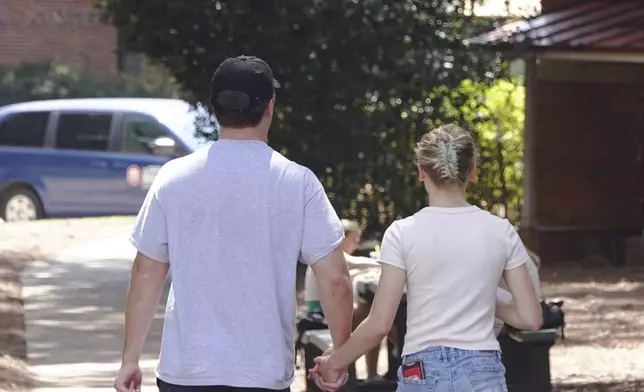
[(486, 374), (428, 384)]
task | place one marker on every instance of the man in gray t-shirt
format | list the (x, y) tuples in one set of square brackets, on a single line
[(229, 223)]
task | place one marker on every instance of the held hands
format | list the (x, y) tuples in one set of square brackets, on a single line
[(128, 378), (326, 378)]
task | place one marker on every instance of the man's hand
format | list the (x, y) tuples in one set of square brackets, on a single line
[(128, 378), (326, 378), (329, 380)]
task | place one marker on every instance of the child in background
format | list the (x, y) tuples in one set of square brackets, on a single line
[(351, 242)]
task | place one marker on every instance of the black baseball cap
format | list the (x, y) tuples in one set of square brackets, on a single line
[(243, 84)]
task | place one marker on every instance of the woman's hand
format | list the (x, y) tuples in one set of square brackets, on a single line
[(325, 377), (331, 368)]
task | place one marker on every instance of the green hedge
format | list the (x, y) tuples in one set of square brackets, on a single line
[(38, 81)]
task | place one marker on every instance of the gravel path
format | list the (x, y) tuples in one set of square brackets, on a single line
[(21, 245), (74, 316), (605, 334)]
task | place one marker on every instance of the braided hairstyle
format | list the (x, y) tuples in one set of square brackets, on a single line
[(447, 154)]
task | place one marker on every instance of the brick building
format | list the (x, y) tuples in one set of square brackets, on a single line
[(68, 32), (584, 130)]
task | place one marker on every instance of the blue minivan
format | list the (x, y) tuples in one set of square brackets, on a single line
[(90, 157)]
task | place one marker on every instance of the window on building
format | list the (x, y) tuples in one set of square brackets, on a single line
[(128, 61), (24, 129), (87, 131)]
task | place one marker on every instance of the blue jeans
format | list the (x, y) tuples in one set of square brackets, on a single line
[(449, 369)]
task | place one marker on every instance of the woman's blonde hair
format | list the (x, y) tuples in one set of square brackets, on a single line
[(447, 154)]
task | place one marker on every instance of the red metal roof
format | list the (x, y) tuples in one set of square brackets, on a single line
[(598, 25)]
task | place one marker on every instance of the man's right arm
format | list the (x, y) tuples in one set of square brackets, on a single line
[(321, 239), (336, 294)]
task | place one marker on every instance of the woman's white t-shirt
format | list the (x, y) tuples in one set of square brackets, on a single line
[(454, 258)]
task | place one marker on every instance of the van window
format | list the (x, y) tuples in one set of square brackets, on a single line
[(86, 131), (139, 132), (24, 129)]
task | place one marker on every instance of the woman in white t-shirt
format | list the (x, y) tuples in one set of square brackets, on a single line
[(451, 256)]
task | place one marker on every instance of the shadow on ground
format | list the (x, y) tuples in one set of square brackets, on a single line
[(75, 321)]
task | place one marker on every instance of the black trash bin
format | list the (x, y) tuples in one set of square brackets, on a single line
[(526, 356)]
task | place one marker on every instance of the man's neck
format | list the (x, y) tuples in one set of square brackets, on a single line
[(243, 134)]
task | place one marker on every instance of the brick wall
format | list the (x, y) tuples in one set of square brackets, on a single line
[(550, 5), (588, 148), (589, 167), (66, 31)]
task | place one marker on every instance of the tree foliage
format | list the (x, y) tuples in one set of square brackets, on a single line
[(362, 79), (495, 114), (38, 81)]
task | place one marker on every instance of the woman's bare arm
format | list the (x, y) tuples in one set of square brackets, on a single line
[(376, 326), (525, 313)]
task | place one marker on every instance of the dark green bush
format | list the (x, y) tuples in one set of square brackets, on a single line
[(38, 81)]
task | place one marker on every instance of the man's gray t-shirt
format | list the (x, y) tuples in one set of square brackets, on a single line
[(233, 220)]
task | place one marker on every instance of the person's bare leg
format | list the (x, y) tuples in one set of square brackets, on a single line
[(371, 358), (393, 350)]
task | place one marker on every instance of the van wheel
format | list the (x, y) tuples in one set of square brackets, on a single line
[(20, 205)]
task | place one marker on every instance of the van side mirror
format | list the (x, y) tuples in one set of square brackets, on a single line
[(164, 146)]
